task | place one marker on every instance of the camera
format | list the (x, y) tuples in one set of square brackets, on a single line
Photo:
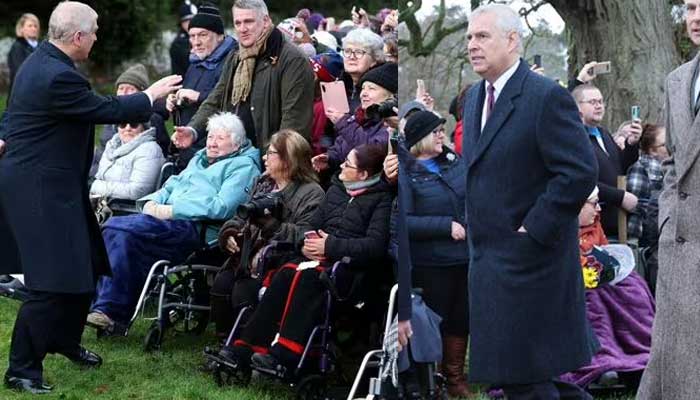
[(382, 110), (263, 205)]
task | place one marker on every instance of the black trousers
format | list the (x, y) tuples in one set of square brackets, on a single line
[(291, 306), (445, 291), (46, 323), (549, 390)]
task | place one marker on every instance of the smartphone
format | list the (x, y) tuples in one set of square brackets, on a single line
[(636, 113), (393, 142), (420, 89), (602, 68), (537, 60), (312, 235), (333, 95)]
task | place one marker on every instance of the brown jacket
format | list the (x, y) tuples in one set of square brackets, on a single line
[(281, 96)]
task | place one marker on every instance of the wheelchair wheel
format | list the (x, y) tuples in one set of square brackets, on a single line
[(226, 376), (313, 387), (154, 338)]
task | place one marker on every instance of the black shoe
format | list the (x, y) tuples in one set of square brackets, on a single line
[(85, 358), (33, 386), (13, 289), (264, 361)]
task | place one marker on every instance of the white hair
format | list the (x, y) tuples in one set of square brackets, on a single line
[(507, 20), (258, 5), (229, 123), (370, 41), (70, 17)]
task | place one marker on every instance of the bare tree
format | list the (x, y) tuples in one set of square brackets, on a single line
[(636, 36)]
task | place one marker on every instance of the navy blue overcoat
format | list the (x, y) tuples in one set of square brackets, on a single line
[(531, 166), (47, 228)]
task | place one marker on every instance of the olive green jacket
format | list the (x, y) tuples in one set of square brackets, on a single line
[(281, 96)]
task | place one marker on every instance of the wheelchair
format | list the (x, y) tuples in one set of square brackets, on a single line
[(175, 296), (384, 361), (319, 359)]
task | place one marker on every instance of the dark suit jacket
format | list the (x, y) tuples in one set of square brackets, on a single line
[(47, 227), (20, 50), (611, 164), (532, 166)]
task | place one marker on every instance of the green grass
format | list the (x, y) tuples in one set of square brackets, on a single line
[(129, 373)]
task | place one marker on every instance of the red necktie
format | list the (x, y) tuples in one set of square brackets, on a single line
[(490, 99)]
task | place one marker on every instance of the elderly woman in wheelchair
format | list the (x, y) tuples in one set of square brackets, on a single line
[(352, 221), (619, 307), (280, 208), (214, 184)]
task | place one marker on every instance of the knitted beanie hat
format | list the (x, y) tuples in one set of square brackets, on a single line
[(136, 75), (327, 66), (209, 18), (385, 75)]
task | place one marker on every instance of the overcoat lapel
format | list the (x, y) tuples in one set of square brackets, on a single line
[(501, 111)]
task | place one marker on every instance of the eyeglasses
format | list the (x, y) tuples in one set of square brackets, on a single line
[(346, 164), (596, 203), (354, 53), (133, 125), (439, 131), (271, 152), (594, 102)]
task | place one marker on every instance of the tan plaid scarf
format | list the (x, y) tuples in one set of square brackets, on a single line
[(243, 78)]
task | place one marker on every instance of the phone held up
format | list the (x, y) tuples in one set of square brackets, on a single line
[(636, 113), (600, 68)]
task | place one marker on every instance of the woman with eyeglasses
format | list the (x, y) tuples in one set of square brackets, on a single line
[(288, 175), (130, 164), (436, 229), (362, 50), (353, 221), (366, 125), (619, 306)]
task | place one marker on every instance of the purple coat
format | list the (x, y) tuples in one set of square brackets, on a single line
[(350, 134)]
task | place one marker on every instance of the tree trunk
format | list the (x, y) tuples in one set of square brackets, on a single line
[(636, 37)]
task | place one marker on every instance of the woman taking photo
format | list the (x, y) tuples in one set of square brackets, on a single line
[(288, 173)]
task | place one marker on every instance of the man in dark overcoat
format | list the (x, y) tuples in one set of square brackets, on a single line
[(47, 227), (530, 168)]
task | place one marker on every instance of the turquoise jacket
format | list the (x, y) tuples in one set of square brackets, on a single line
[(204, 191)]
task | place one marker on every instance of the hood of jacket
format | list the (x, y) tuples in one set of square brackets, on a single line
[(214, 59)]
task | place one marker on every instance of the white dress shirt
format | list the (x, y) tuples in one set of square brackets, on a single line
[(498, 86)]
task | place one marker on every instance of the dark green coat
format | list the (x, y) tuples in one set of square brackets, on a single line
[(281, 96)]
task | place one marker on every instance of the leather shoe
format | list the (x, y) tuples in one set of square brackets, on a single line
[(33, 386), (13, 289), (85, 358)]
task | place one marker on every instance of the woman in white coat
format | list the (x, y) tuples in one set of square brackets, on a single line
[(130, 164)]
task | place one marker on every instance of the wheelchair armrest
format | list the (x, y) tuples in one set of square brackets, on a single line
[(123, 206)]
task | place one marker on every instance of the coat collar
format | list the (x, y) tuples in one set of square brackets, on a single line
[(685, 122), (55, 52), (501, 110)]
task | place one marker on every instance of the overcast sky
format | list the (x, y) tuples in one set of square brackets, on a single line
[(545, 12)]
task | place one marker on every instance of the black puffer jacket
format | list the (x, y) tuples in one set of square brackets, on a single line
[(357, 226), (437, 201)]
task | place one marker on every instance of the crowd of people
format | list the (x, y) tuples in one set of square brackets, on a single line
[(250, 122), (510, 231)]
